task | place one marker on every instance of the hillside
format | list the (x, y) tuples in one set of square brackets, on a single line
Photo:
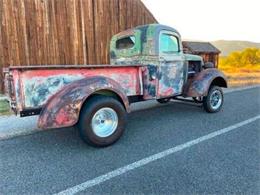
[(227, 47)]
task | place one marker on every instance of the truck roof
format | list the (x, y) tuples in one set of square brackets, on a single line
[(158, 27)]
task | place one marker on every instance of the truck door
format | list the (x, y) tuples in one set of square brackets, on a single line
[(171, 66)]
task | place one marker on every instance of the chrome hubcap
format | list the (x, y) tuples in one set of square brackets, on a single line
[(215, 99), (104, 122)]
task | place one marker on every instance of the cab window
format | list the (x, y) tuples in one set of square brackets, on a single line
[(126, 42), (168, 43)]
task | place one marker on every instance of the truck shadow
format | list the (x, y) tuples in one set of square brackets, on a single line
[(139, 120)]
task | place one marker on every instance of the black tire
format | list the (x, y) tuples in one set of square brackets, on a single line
[(208, 105), (163, 101), (89, 110)]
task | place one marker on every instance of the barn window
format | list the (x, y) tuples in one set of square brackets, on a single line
[(126, 42), (168, 43)]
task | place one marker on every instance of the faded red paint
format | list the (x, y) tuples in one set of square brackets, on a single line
[(34, 86), (64, 112)]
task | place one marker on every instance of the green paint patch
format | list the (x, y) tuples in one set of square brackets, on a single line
[(4, 108)]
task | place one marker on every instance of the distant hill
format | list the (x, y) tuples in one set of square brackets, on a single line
[(226, 47)]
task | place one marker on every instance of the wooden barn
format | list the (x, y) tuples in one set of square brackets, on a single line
[(39, 32), (206, 50)]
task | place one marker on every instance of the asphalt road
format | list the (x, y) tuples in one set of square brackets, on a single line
[(52, 161)]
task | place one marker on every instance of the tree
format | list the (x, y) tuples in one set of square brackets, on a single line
[(249, 56)]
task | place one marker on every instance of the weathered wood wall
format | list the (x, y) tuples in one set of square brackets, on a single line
[(210, 57), (40, 32)]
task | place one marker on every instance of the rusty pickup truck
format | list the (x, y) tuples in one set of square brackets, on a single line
[(147, 62)]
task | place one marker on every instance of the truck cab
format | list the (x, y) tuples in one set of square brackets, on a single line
[(169, 72)]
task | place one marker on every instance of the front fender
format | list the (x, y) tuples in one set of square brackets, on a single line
[(199, 85), (63, 108)]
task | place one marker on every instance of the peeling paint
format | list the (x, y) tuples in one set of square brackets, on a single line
[(40, 85), (38, 90), (64, 112), (199, 85), (171, 81)]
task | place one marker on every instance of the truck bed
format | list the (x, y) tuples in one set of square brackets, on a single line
[(32, 67), (30, 87)]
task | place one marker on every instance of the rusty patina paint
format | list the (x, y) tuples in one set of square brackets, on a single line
[(138, 71), (149, 74), (146, 49), (199, 85), (171, 80), (146, 53), (13, 89), (62, 109), (35, 86)]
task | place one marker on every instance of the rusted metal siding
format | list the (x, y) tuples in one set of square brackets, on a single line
[(37, 32)]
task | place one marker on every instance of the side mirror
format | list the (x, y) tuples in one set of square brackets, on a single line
[(208, 65)]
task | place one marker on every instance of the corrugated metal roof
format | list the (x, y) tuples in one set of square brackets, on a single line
[(204, 47)]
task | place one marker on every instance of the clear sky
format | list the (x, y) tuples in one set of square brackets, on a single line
[(210, 20)]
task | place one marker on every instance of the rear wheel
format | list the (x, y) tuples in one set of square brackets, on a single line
[(102, 121), (214, 100)]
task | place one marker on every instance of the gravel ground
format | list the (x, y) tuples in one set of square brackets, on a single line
[(13, 126)]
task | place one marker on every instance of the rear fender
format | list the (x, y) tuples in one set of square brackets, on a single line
[(63, 108), (200, 84)]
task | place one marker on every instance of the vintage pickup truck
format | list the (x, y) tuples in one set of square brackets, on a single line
[(147, 62)]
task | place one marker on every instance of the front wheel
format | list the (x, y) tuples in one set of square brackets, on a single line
[(214, 100), (102, 121)]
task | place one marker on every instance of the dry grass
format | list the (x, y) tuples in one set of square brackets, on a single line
[(243, 79), (4, 108), (244, 76)]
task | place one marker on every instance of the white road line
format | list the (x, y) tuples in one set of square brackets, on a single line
[(231, 90), (149, 159)]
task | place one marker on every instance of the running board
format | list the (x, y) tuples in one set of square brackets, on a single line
[(185, 100)]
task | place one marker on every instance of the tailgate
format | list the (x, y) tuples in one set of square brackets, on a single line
[(9, 89)]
